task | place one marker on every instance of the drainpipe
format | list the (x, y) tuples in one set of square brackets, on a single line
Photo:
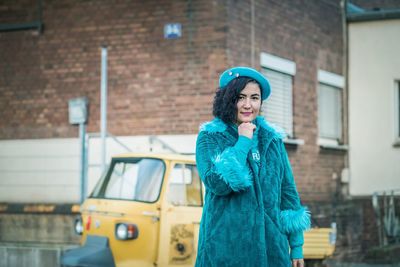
[(342, 189), (252, 33), (345, 65), (103, 115), (345, 97), (82, 138)]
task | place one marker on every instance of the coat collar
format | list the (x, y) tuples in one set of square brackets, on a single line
[(270, 131)]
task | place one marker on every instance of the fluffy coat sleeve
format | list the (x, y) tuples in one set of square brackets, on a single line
[(294, 217), (223, 171)]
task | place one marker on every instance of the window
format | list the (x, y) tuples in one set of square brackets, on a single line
[(138, 179), (330, 107), (185, 187), (329, 112), (278, 109)]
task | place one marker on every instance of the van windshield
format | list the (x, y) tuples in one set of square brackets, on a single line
[(132, 179)]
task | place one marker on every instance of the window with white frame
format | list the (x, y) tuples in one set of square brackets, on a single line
[(278, 109), (330, 107)]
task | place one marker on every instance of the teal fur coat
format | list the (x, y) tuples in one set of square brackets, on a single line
[(252, 213)]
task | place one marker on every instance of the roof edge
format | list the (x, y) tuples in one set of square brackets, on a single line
[(373, 15)]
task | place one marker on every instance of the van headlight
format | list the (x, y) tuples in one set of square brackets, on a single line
[(78, 227), (124, 231)]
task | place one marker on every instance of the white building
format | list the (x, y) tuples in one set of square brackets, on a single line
[(374, 100)]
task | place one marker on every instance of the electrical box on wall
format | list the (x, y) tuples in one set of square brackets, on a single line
[(77, 109), (345, 177)]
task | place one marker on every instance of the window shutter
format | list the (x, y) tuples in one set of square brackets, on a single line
[(277, 109), (329, 112)]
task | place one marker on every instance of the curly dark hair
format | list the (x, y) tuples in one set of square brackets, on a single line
[(225, 100)]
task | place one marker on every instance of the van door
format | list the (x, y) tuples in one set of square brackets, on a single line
[(180, 216), (125, 209)]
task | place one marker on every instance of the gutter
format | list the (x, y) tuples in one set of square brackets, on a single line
[(21, 26), (37, 24), (373, 15)]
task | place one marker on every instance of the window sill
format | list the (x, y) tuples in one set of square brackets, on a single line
[(331, 144), (293, 142)]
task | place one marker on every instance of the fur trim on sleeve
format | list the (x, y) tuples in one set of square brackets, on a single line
[(214, 126), (232, 171), (295, 220)]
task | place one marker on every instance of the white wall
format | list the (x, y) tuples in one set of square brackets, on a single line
[(48, 170), (36, 170), (374, 66)]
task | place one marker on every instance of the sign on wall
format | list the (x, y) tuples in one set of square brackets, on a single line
[(172, 30)]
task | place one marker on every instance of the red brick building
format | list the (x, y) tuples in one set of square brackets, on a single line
[(159, 86)]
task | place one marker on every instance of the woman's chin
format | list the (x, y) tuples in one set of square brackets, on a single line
[(242, 120)]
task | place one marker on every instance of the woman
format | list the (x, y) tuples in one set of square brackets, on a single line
[(252, 211)]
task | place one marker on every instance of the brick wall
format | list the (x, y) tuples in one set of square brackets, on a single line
[(358, 232), (158, 86), (155, 86), (300, 32)]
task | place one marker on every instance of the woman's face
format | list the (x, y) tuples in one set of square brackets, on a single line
[(249, 103)]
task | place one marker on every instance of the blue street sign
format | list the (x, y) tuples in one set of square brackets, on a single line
[(172, 30)]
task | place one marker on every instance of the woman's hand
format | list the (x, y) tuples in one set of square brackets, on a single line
[(297, 263), (246, 129)]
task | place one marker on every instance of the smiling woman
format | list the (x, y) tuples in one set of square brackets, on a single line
[(226, 101), (249, 103), (252, 210)]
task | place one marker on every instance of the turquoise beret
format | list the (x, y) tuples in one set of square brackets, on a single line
[(232, 73)]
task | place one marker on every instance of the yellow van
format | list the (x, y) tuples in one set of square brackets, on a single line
[(146, 211)]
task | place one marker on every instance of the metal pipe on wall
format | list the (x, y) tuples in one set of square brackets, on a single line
[(103, 115), (82, 134), (252, 33)]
